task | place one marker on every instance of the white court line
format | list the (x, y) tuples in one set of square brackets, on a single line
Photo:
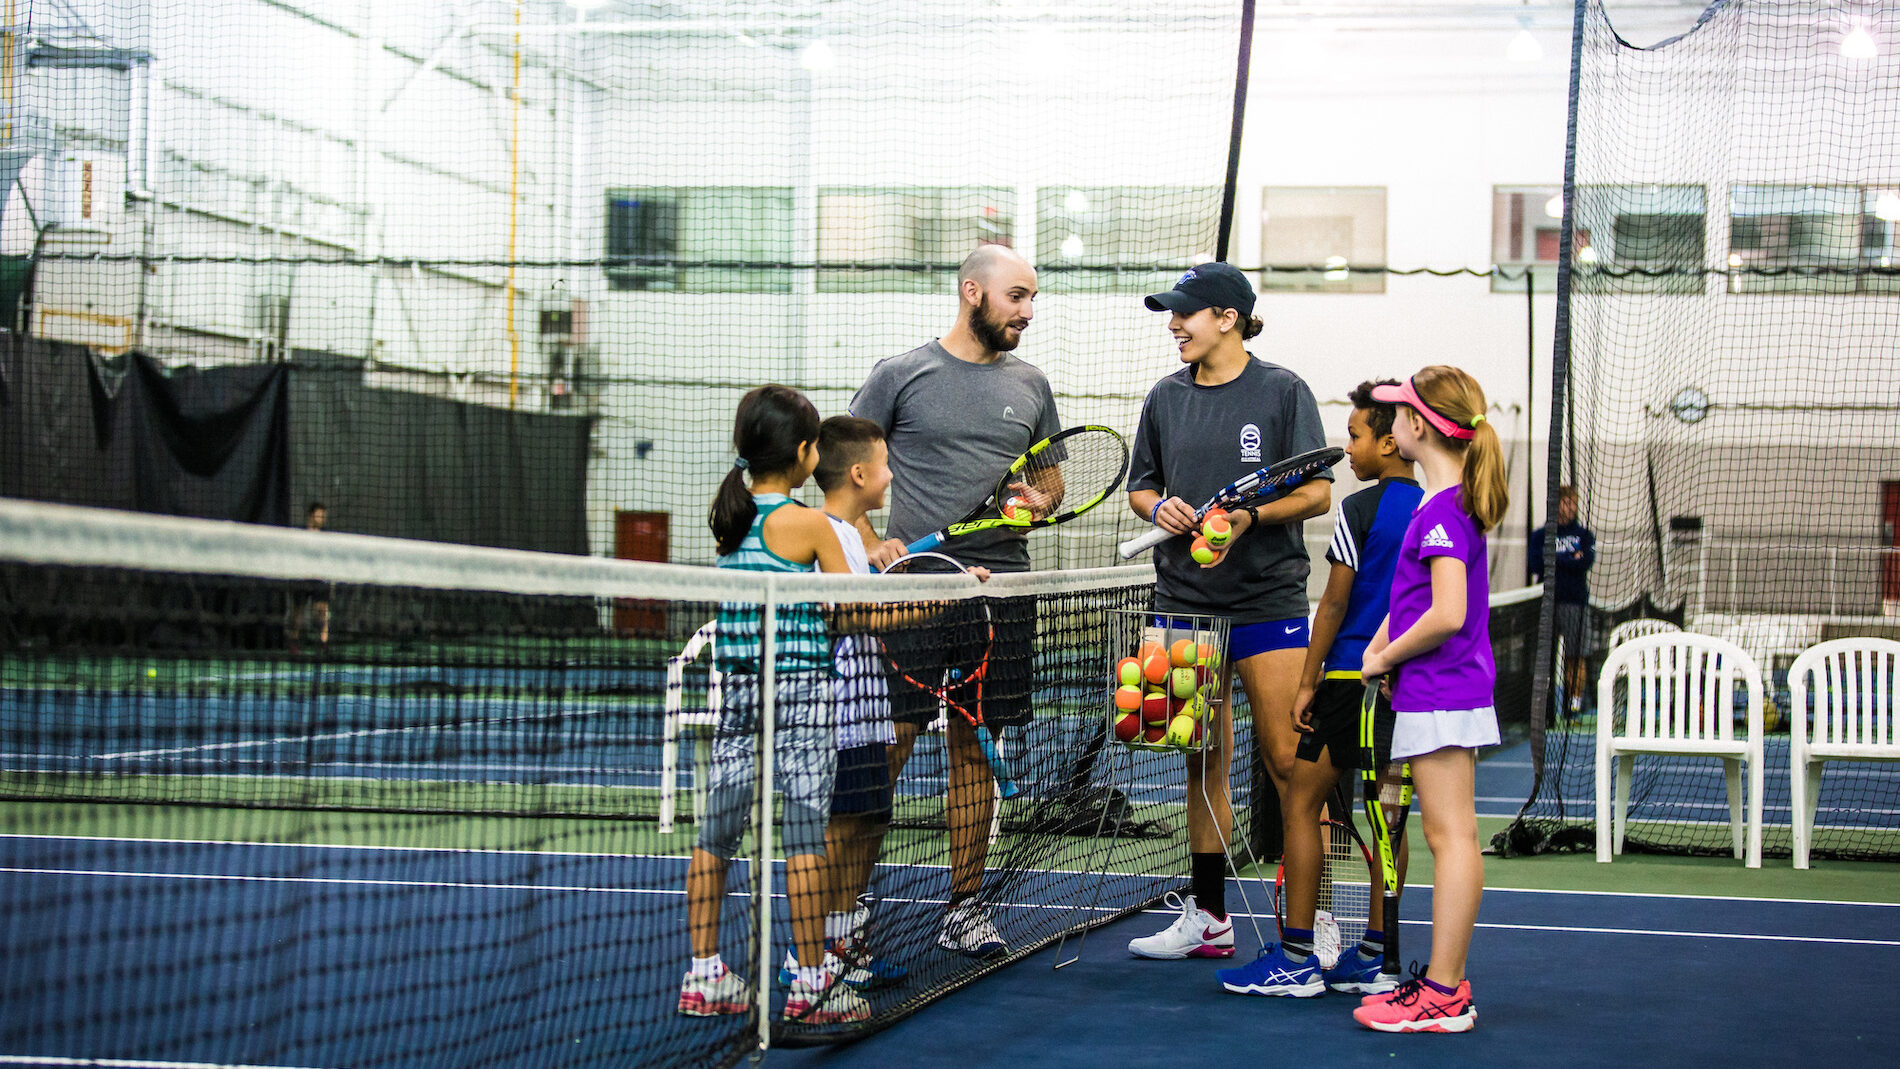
[(127, 1063)]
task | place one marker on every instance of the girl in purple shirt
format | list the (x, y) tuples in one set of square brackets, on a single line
[(1436, 645)]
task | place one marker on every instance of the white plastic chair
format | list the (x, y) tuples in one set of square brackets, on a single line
[(1638, 628), (1681, 690), (1853, 681), (699, 722)]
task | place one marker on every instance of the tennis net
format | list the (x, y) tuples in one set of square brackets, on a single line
[(285, 797)]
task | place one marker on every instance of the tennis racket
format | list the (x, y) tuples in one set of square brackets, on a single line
[(1347, 872), (1252, 488), (1058, 479), (967, 631), (1387, 792)]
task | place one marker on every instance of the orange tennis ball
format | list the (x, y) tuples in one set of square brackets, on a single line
[(1017, 509), (1155, 665), (1206, 654), (1183, 654), (1128, 727), (1216, 528), (1155, 710), (1182, 684), (1128, 672), (1201, 551), (1128, 699)]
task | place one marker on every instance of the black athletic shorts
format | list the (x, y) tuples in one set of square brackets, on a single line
[(1335, 723), (955, 639), (863, 784)]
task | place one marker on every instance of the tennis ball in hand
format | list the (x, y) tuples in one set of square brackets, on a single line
[(1154, 709), (1128, 699), (1201, 551), (1216, 528), (1128, 727), (1181, 683), (1180, 730), (1183, 653), (1128, 672), (1017, 509)]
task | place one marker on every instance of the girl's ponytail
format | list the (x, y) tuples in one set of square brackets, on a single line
[(1455, 395), (772, 422)]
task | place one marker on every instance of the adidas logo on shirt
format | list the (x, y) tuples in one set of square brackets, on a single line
[(1436, 538)]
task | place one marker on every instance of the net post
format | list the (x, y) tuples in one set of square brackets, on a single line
[(762, 882)]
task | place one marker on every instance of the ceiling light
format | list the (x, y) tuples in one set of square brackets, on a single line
[(1887, 207), (817, 57), (1524, 48), (1072, 246), (1554, 207), (1859, 44)]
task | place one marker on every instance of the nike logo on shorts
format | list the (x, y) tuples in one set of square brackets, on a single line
[(1292, 630)]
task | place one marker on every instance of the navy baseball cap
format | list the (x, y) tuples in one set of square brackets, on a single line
[(1209, 285)]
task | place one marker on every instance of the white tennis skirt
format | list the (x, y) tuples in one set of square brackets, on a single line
[(1421, 733)]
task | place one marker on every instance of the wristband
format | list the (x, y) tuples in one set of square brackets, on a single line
[(1156, 511)]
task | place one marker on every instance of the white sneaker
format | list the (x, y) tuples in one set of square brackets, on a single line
[(835, 1003), (703, 997), (1326, 939), (968, 929), (1196, 934)]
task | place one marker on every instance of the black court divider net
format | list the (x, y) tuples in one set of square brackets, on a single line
[(1728, 389), (279, 797)]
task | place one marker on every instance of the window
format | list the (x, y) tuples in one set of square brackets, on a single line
[(1527, 225), (1640, 239), (895, 231), (656, 236), (1821, 235), (1322, 239), (1110, 239)]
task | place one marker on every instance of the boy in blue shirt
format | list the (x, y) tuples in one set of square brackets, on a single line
[(1363, 553)]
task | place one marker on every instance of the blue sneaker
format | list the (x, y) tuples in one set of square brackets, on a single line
[(863, 969), (1356, 974), (1272, 974)]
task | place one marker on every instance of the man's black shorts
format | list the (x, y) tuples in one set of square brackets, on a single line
[(955, 639), (1335, 723)]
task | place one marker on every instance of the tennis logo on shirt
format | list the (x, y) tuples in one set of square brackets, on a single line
[(1436, 538), (1008, 410), (1250, 444)]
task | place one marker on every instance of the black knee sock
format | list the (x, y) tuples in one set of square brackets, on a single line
[(1208, 882)]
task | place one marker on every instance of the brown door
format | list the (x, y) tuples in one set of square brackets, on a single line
[(1890, 561), (640, 536)]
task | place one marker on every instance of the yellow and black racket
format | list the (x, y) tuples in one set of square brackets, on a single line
[(1058, 479), (1387, 792)]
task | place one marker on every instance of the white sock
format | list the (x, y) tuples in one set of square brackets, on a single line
[(860, 919), (837, 925), (710, 968)]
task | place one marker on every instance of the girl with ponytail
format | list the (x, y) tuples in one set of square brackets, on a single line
[(1435, 647), (760, 528)]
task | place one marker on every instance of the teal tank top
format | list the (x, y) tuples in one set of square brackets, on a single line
[(803, 643)]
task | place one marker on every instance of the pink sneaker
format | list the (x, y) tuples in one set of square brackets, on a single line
[(727, 993), (1415, 1007)]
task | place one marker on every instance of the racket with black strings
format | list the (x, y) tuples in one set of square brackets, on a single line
[(1057, 480), (954, 669), (1386, 789), (1348, 871), (1250, 489)]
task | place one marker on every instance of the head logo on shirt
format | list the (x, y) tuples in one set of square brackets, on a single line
[(1250, 444), (1436, 538), (1008, 411)]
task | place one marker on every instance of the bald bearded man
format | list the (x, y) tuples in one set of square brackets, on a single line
[(956, 412)]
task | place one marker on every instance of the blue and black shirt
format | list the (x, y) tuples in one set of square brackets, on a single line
[(1366, 538)]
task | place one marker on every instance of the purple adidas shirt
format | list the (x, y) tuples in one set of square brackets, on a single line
[(1460, 673)]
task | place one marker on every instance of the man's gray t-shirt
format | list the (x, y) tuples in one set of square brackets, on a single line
[(1194, 440), (953, 428)]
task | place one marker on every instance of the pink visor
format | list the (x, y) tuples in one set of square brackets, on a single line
[(1405, 394)]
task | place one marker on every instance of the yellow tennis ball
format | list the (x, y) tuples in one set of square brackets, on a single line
[(1180, 730), (1216, 529), (1195, 707), (1201, 551), (1182, 683), (151, 673), (1128, 672)]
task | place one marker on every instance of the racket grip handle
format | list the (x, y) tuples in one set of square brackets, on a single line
[(925, 544), (1004, 784), (1145, 540)]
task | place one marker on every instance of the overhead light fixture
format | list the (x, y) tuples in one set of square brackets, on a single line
[(817, 57), (1072, 246), (1887, 207), (588, 5), (1859, 44), (1077, 201), (1554, 207), (1524, 48), (1200, 258), (1587, 254), (1336, 269)]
